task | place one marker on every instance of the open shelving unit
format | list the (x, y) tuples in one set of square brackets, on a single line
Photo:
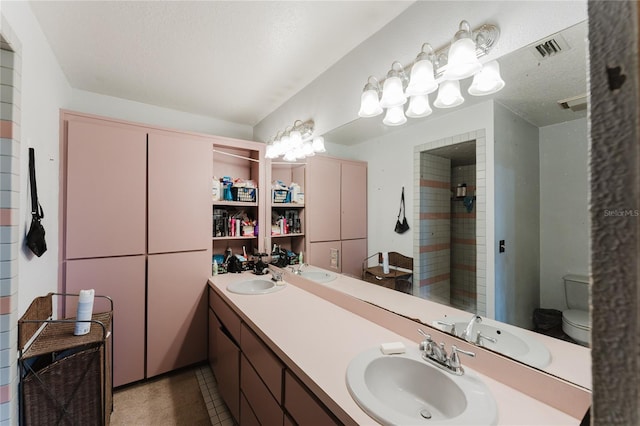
[(287, 173), (244, 160)]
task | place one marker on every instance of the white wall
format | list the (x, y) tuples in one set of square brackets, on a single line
[(564, 208), (44, 91), (517, 218)]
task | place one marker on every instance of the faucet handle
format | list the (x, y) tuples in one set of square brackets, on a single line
[(454, 361), (448, 324), (480, 337), (426, 336), (427, 344)]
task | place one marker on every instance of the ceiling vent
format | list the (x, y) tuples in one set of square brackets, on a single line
[(552, 46), (576, 103)]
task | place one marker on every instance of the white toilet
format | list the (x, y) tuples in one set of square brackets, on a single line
[(575, 320)]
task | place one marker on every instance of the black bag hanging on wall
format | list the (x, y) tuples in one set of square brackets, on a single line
[(401, 224), (35, 236)]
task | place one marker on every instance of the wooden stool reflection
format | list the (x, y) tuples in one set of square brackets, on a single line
[(400, 276)]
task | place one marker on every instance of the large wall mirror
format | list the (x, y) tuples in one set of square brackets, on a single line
[(514, 247)]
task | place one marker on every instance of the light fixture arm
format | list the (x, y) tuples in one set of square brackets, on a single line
[(485, 36)]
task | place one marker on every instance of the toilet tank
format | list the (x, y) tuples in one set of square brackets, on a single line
[(576, 288)]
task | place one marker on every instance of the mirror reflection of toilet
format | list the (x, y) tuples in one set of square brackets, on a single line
[(575, 320)]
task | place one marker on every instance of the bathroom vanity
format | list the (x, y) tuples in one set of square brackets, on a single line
[(284, 355)]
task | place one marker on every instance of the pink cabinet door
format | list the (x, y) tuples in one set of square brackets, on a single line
[(180, 171), (353, 201), (176, 310), (122, 279), (325, 254), (353, 254), (322, 199), (105, 190)]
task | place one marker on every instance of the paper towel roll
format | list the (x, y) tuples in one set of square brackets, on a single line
[(85, 310), (385, 262)]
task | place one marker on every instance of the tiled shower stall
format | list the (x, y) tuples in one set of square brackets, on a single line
[(449, 245)]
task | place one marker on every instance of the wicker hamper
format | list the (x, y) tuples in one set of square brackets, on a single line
[(64, 379), (66, 392)]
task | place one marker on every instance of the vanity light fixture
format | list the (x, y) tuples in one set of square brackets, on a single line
[(442, 70), (393, 89), (370, 99), (449, 95), (295, 142)]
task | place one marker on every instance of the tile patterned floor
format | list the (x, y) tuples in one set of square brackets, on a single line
[(218, 411)]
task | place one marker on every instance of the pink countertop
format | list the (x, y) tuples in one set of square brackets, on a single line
[(317, 340)]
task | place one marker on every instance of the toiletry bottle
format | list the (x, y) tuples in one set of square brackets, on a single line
[(83, 315), (215, 267)]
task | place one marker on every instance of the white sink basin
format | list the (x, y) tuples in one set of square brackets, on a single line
[(406, 390), (318, 276), (509, 341), (256, 286)]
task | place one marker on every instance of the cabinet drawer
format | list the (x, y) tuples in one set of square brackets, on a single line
[(247, 416), (303, 406), (288, 421), (266, 364), (227, 372), (264, 406), (214, 325), (227, 316)]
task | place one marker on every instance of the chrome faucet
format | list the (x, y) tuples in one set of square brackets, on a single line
[(437, 355), (298, 270), (467, 334), (276, 276)]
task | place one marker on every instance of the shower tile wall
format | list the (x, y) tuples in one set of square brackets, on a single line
[(10, 218), (463, 242), (480, 209), (435, 205)]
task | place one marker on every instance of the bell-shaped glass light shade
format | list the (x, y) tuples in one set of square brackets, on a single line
[(318, 144), (422, 81), (289, 156), (270, 151), (285, 144), (307, 149), (449, 95), (462, 61), (295, 137), (487, 81), (277, 149), (392, 93), (369, 104), (395, 116), (419, 106)]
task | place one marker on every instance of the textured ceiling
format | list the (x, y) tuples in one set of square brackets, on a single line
[(233, 60)]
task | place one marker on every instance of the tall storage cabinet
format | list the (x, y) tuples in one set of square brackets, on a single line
[(336, 211), (122, 279), (105, 180), (105, 228), (136, 219), (176, 310), (178, 169)]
